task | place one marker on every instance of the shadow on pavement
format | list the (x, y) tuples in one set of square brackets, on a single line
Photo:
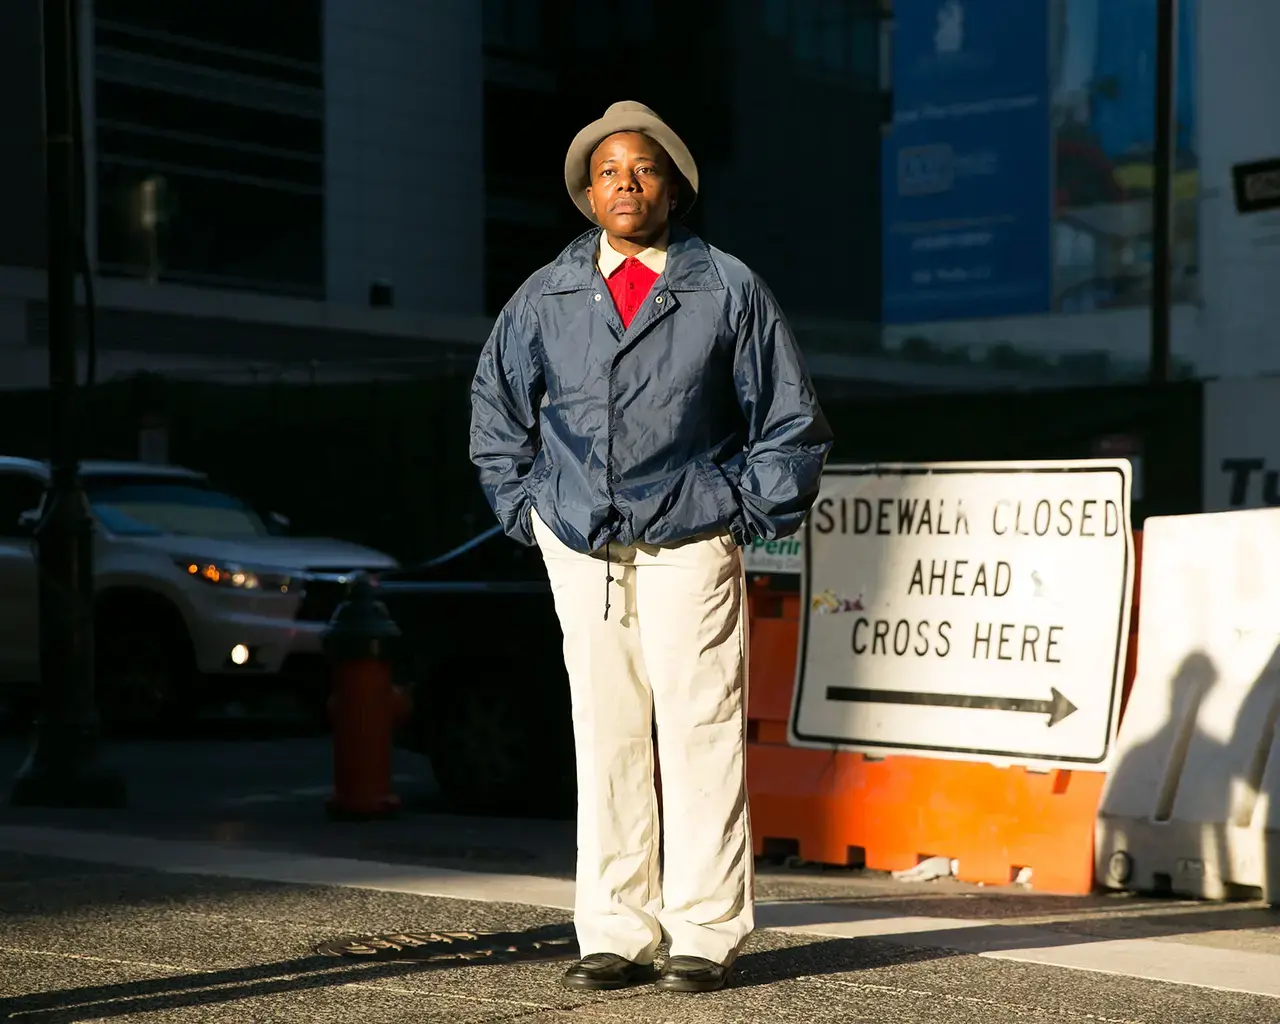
[(549, 942), (403, 954), (980, 926), (208, 988), (919, 942), (825, 956)]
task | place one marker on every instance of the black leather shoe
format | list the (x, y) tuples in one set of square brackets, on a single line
[(600, 972), (693, 974)]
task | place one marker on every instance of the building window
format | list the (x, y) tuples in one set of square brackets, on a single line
[(1102, 68), (834, 40), (513, 25), (775, 16), (624, 28), (210, 143), (291, 31)]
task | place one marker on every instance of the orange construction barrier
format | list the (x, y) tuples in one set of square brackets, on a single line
[(890, 813)]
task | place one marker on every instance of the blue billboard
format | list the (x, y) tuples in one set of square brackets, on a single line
[(967, 164)]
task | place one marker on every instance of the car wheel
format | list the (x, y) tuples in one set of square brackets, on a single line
[(145, 677)]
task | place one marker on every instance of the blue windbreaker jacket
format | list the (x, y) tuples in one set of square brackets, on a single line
[(699, 418)]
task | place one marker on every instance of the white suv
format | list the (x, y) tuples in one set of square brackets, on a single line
[(194, 589)]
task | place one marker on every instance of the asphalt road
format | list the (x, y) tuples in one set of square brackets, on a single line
[(206, 900), (218, 765)]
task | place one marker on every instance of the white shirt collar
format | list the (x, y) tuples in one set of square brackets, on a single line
[(654, 257)]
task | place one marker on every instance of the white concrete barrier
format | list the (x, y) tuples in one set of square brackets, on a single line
[(1192, 801)]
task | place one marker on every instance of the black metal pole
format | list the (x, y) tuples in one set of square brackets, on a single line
[(65, 767), (1162, 191)]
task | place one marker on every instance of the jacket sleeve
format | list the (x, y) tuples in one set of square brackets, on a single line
[(788, 437), (505, 395)]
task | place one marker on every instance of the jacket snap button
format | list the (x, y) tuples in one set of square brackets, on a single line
[(658, 300), (597, 296)]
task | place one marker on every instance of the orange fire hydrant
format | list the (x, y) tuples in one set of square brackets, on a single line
[(365, 704)]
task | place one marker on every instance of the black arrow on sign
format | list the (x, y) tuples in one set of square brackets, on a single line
[(1057, 707)]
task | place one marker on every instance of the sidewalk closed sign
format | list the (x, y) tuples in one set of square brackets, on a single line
[(967, 610)]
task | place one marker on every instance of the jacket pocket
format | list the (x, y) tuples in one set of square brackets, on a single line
[(699, 502), (537, 475), (723, 481), (721, 491)]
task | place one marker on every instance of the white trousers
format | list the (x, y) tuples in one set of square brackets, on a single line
[(674, 646)]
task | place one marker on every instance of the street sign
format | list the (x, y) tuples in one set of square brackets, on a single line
[(1256, 186), (977, 611)]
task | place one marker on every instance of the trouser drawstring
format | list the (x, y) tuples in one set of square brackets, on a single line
[(608, 575)]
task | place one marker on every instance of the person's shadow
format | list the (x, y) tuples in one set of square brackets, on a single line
[(1179, 812), (342, 961), (1252, 786)]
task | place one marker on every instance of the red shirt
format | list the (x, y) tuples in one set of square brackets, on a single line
[(630, 285)]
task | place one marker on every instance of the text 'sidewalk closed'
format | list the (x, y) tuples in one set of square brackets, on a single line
[(974, 610)]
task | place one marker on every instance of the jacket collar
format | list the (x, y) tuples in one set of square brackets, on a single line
[(690, 267)]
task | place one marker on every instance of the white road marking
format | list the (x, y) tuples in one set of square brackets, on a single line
[(946, 997), (1147, 959), (418, 993), (59, 954), (180, 856), (1228, 970), (1176, 962)]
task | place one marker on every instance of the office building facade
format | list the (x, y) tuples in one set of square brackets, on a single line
[(288, 192), (314, 188)]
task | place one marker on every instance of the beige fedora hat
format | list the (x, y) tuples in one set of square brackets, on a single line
[(627, 116)]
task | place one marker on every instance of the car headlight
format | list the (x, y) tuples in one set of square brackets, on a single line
[(236, 576)]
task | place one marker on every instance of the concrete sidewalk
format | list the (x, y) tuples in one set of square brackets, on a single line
[(117, 925)]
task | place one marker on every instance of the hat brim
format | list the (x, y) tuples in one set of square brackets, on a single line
[(577, 169)]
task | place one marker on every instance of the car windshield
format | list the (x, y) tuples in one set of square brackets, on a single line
[(152, 507)]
